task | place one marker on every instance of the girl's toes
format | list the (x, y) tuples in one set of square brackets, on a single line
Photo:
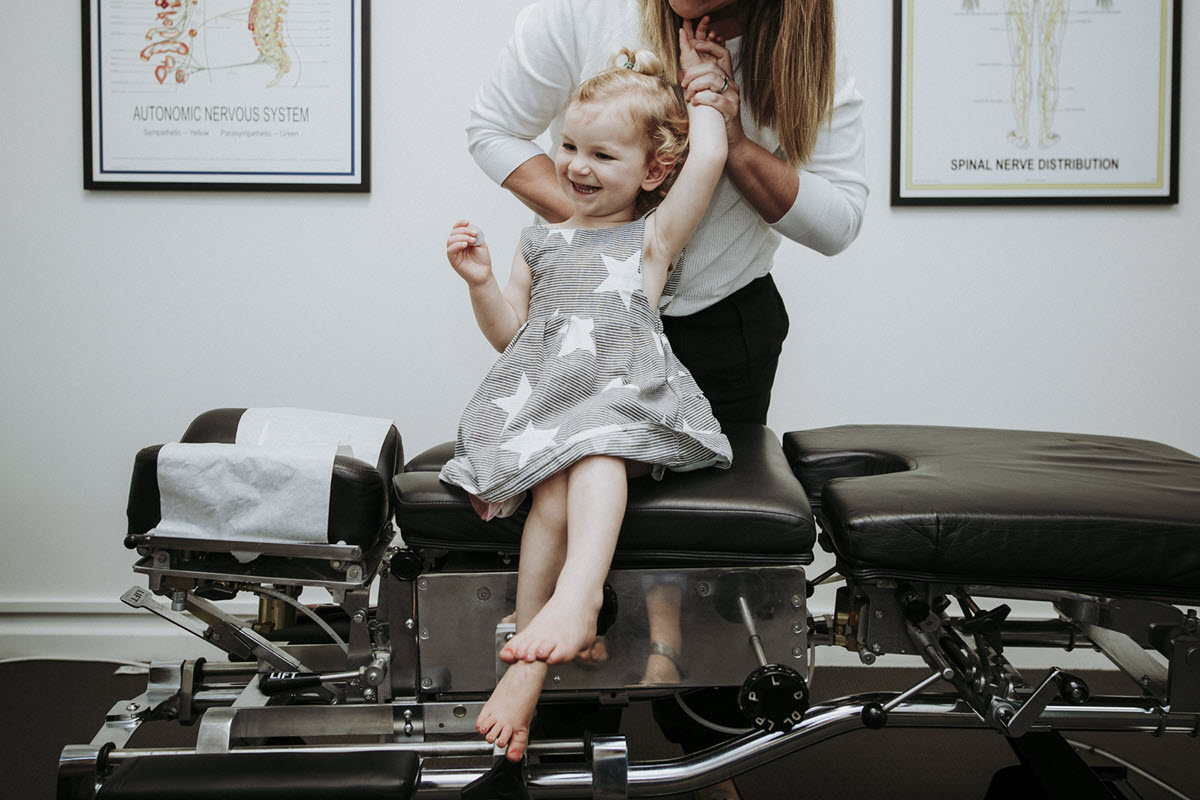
[(501, 738), (516, 748)]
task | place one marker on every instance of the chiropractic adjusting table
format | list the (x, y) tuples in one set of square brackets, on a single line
[(932, 530)]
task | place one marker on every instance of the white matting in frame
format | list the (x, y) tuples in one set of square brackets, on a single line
[(226, 94), (1035, 101)]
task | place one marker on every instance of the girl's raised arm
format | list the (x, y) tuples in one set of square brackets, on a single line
[(670, 227)]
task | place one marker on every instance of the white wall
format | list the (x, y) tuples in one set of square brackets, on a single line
[(125, 314)]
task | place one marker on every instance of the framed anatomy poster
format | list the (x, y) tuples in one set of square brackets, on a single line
[(1035, 101), (226, 94)]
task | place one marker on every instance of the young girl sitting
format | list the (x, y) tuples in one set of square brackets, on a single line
[(587, 392)]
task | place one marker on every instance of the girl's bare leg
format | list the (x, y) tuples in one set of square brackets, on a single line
[(597, 490), (505, 718)]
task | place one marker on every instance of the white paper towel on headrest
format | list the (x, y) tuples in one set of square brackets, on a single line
[(364, 436), (245, 493)]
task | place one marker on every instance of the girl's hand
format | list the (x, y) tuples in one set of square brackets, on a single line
[(709, 80), (468, 254), (689, 56)]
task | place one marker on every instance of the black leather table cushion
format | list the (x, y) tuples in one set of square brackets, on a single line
[(378, 775), (753, 512), (1099, 514), (360, 501)]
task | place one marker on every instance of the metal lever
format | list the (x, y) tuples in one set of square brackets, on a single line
[(875, 715), (279, 682), (227, 632), (755, 639), (773, 696), (273, 683), (1032, 708)]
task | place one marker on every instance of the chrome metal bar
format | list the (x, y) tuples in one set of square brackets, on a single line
[(1140, 665), (755, 639), (920, 687), (649, 779)]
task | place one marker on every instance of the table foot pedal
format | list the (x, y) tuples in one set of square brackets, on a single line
[(504, 781)]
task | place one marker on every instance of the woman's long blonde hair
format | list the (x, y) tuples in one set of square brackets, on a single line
[(787, 64)]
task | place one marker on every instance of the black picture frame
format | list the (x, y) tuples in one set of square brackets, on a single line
[(180, 95), (947, 148)]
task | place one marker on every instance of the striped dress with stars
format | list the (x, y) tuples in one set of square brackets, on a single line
[(589, 373)]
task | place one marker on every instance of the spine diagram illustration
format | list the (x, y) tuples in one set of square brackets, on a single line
[(266, 23)]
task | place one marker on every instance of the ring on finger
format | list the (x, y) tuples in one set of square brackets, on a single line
[(724, 84)]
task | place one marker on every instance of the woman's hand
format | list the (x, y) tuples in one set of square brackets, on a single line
[(706, 76), (468, 254)]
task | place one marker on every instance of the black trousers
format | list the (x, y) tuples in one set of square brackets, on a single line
[(732, 349)]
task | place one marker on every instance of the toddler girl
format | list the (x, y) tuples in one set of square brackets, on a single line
[(587, 391)]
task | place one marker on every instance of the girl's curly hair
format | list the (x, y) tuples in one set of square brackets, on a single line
[(655, 104)]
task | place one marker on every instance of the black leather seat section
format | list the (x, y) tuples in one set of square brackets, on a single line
[(360, 497), (1105, 515), (753, 512), (386, 775)]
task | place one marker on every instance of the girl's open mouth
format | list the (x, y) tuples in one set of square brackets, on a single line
[(579, 187)]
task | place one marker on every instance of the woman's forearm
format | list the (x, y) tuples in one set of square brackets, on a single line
[(768, 183), (536, 185)]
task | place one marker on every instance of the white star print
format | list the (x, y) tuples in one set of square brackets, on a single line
[(528, 442), (578, 336), (624, 277), (619, 383), (686, 427), (566, 233), (513, 404)]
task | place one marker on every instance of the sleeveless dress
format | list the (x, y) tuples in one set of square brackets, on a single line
[(589, 373)]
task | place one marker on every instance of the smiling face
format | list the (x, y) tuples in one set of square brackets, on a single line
[(602, 163)]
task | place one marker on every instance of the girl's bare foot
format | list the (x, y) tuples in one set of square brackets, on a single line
[(563, 628), (504, 720)]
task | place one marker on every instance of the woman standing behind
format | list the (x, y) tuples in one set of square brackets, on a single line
[(795, 166)]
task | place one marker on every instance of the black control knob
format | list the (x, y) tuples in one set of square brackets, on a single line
[(1072, 689), (774, 698), (406, 565), (874, 716)]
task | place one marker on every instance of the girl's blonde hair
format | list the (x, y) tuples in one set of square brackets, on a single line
[(639, 80), (787, 64)]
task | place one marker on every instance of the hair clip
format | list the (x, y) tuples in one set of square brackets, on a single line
[(629, 65)]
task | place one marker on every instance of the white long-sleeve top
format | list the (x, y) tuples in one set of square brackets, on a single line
[(558, 44)]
